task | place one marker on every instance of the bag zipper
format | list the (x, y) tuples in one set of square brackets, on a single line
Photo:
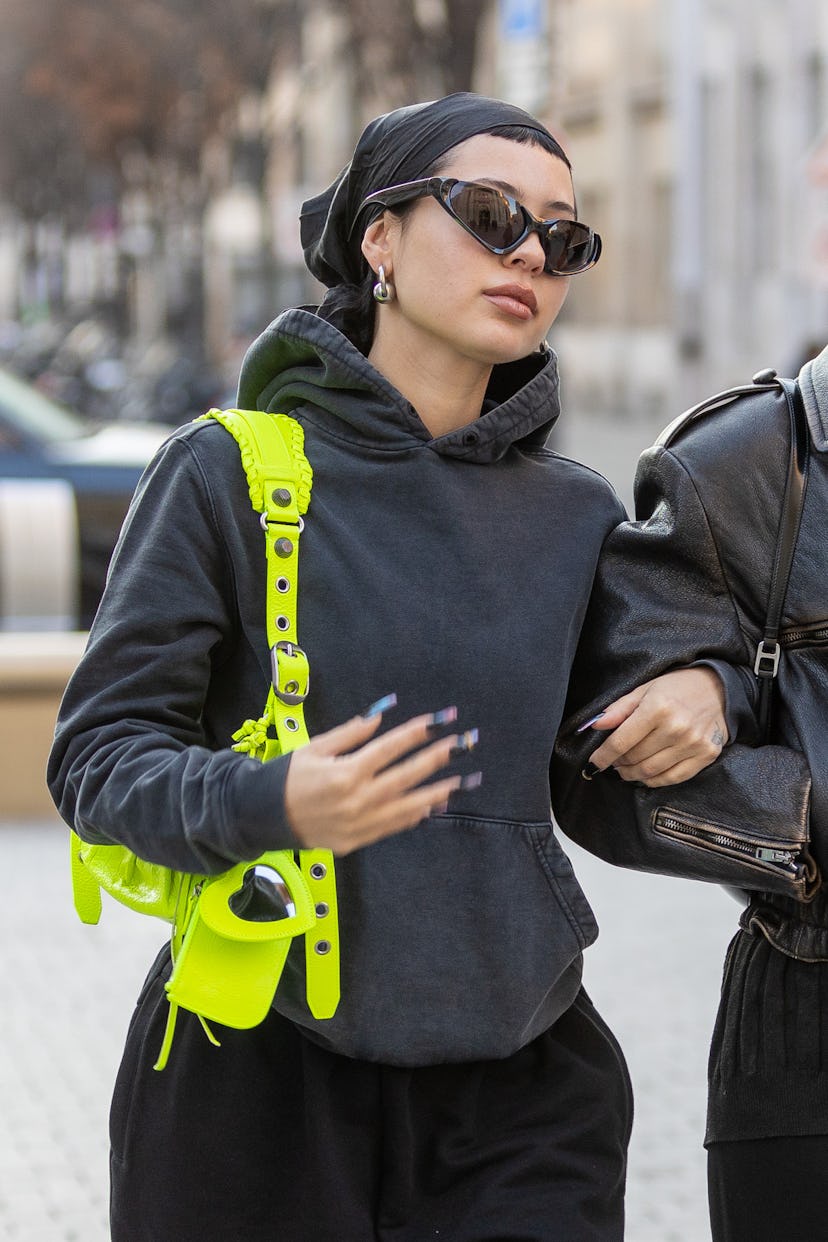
[(771, 857)]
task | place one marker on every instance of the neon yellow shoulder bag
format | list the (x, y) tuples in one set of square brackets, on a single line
[(231, 932)]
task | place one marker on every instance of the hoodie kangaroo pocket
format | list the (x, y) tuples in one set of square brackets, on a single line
[(461, 940)]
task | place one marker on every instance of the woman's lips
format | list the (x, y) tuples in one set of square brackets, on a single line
[(514, 300)]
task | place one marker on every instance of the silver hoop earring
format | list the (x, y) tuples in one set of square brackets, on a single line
[(383, 292)]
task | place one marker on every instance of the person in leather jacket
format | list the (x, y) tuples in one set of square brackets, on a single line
[(689, 581)]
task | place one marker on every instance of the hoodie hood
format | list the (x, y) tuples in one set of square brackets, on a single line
[(813, 379), (301, 360)]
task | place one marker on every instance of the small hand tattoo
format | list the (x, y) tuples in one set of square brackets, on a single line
[(717, 737)]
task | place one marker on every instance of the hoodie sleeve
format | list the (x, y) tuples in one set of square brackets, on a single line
[(131, 762)]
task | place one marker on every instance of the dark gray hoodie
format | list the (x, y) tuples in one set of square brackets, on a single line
[(453, 570)]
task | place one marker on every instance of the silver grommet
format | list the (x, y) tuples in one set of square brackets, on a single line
[(322, 947), (291, 687), (318, 871), (283, 585), (282, 622), (322, 909), (291, 724)]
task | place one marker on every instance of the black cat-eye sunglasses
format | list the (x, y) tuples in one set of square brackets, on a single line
[(499, 222)]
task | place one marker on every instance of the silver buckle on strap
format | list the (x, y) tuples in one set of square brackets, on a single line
[(766, 663), (289, 697)]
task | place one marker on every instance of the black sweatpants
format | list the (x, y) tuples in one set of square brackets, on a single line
[(270, 1138), (769, 1190), (768, 1078)]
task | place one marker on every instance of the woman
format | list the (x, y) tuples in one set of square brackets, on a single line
[(466, 1087), (709, 506)]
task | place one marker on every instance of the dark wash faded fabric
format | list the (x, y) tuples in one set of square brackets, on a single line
[(450, 571)]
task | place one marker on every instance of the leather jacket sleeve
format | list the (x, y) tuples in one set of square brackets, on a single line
[(661, 600), (689, 581)]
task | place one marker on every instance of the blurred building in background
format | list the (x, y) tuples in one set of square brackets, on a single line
[(699, 134)]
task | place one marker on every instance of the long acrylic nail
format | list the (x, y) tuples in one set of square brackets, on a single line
[(582, 728), (381, 705), (589, 770), (464, 742), (472, 781), (441, 718), (440, 809)]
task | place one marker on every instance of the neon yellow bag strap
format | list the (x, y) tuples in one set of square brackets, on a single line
[(232, 979), (279, 478)]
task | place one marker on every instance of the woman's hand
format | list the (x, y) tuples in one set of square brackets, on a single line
[(346, 788), (664, 731)]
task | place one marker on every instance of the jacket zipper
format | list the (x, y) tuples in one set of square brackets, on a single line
[(778, 859), (806, 634)]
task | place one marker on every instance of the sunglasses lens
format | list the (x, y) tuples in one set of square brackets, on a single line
[(570, 247), (487, 213), (501, 224)]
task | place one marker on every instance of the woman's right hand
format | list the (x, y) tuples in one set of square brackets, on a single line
[(346, 788)]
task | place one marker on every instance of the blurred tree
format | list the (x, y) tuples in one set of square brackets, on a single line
[(123, 87), (117, 83), (399, 44), (91, 83), (462, 24)]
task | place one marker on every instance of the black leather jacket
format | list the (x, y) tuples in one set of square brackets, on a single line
[(689, 581)]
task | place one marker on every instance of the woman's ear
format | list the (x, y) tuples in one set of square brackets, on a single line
[(377, 243)]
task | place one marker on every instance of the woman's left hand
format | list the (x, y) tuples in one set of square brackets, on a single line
[(664, 731)]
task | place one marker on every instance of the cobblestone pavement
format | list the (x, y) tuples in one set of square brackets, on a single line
[(68, 991)]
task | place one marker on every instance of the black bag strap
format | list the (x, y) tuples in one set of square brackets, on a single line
[(768, 652), (766, 664)]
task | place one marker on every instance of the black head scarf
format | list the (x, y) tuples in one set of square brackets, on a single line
[(398, 146)]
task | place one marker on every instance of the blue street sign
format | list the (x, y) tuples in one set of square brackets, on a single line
[(521, 19)]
